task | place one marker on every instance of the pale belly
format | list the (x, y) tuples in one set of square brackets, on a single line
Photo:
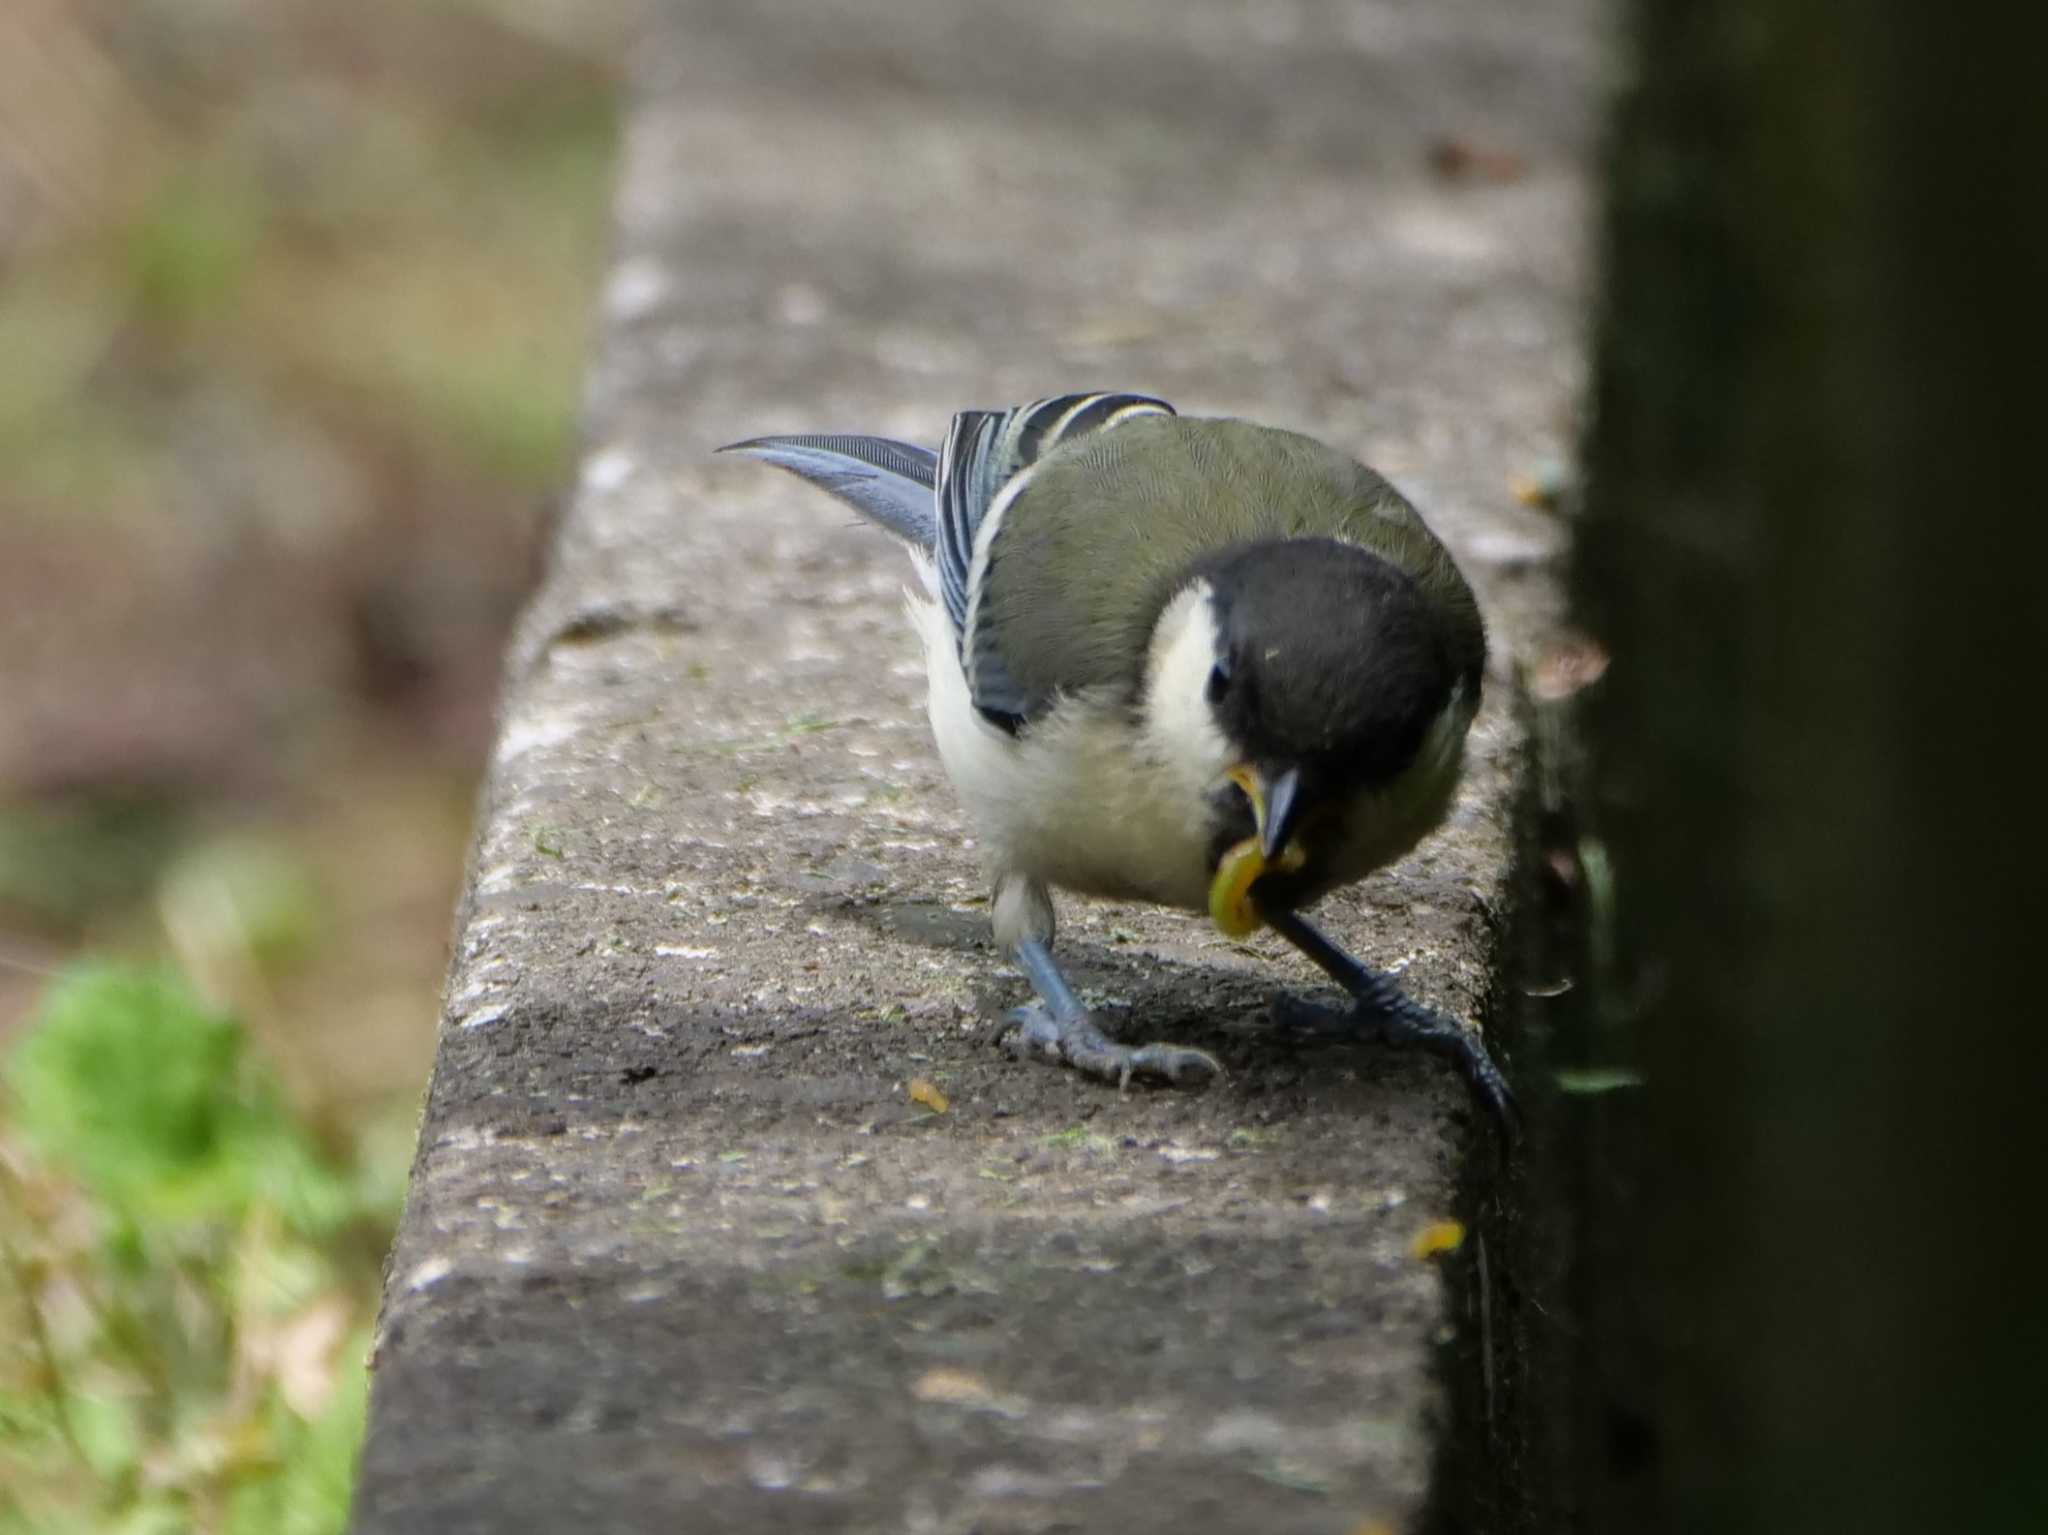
[(1096, 818), (1081, 808), (1074, 802)]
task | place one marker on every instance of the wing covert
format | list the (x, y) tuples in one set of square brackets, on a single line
[(981, 467)]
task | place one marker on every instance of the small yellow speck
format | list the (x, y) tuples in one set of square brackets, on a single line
[(1436, 1238), (923, 1090), (954, 1388)]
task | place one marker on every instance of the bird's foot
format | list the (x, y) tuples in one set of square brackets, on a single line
[(1077, 1040), (1387, 1016)]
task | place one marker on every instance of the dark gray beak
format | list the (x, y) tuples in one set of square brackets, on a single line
[(1283, 808)]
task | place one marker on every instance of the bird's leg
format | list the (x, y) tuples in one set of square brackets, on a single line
[(1382, 1011), (1058, 1028)]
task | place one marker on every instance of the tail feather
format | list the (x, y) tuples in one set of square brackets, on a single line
[(885, 481)]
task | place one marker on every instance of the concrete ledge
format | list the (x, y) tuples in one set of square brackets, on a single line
[(681, 1251)]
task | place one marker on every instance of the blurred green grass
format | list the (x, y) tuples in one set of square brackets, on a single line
[(191, 1276), (293, 305)]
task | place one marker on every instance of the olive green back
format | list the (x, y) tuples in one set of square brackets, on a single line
[(1095, 543)]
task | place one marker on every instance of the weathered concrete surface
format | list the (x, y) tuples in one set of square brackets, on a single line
[(681, 1253)]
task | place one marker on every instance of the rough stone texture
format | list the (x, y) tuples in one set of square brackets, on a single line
[(681, 1251)]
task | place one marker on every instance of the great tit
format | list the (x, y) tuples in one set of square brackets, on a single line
[(1197, 662)]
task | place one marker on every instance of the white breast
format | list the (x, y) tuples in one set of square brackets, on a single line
[(1083, 799)]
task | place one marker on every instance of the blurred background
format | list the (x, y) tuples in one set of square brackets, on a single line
[(293, 298)]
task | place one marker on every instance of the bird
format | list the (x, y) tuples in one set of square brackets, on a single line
[(1197, 662)]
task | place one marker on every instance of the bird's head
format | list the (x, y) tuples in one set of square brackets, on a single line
[(1306, 673)]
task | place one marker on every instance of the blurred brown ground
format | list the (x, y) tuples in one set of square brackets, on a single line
[(292, 305)]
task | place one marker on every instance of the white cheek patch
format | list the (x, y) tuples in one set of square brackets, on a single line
[(1180, 726)]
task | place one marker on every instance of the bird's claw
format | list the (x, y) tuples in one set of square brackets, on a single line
[(1396, 1020), (1077, 1040)]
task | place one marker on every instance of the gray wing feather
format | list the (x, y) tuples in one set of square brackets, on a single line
[(939, 502), (967, 485), (885, 481)]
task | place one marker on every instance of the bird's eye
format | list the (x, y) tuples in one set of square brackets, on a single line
[(1219, 682)]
